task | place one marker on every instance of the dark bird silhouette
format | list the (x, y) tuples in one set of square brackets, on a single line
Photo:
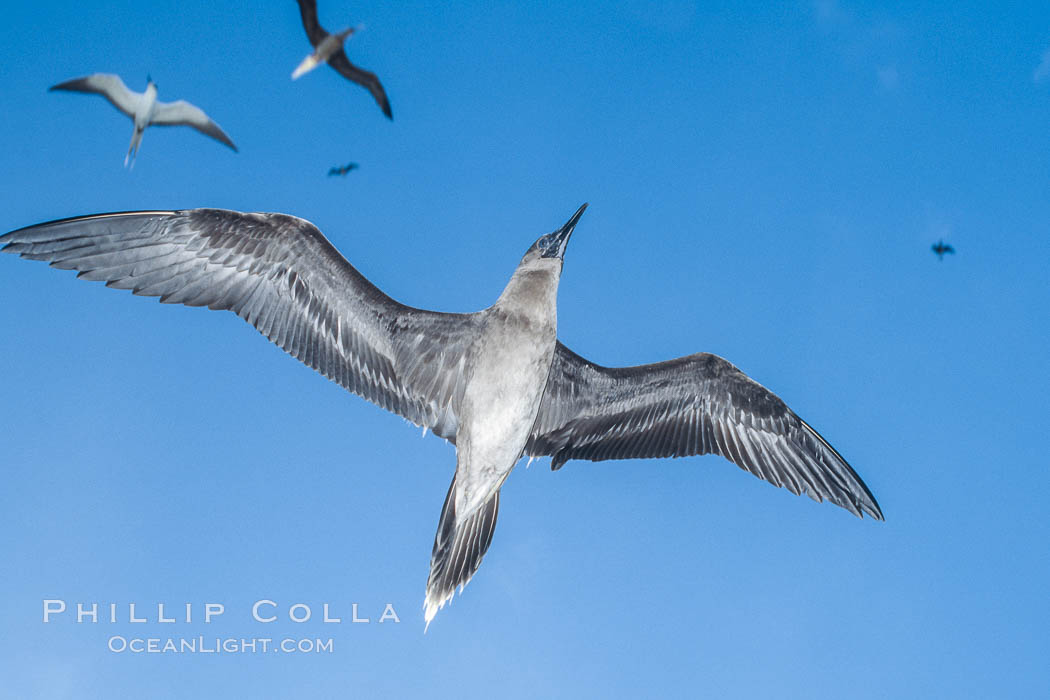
[(342, 169), (496, 383), (940, 248), (328, 48)]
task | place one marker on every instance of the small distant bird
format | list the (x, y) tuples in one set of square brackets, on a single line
[(144, 109), (342, 169), (328, 48), (496, 383), (940, 247)]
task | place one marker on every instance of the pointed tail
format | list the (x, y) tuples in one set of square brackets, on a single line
[(308, 64), (457, 550), (133, 149)]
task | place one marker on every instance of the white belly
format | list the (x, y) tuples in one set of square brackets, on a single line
[(499, 407)]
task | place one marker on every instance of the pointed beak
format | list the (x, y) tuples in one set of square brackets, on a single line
[(556, 242)]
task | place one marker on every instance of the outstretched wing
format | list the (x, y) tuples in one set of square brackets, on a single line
[(280, 274), (308, 11), (700, 404), (348, 70), (109, 86), (182, 113)]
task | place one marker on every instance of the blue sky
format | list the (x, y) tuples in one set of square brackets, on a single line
[(765, 183)]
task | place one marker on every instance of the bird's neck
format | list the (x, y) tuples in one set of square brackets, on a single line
[(532, 292)]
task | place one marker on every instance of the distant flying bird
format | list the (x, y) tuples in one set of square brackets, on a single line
[(342, 169), (496, 383), (940, 248), (144, 109), (329, 48)]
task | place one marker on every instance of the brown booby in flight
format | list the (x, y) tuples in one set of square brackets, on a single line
[(496, 383), (144, 108), (940, 248), (328, 48)]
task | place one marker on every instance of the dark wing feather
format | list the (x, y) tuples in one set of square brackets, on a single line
[(700, 404), (280, 274), (314, 30), (348, 70)]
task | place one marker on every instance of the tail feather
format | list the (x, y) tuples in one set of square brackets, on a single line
[(307, 65), (133, 149), (458, 551)]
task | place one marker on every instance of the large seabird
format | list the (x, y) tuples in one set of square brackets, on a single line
[(328, 48), (496, 383), (144, 108)]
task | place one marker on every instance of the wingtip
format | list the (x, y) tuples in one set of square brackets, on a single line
[(7, 239), (65, 84), (867, 506), (860, 505)]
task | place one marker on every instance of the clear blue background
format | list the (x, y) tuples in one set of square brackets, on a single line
[(765, 183)]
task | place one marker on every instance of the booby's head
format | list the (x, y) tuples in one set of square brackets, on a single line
[(343, 35), (533, 288), (552, 246)]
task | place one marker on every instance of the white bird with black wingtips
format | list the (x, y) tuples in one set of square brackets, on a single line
[(496, 383), (144, 108)]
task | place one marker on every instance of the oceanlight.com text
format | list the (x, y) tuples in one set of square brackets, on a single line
[(219, 645)]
